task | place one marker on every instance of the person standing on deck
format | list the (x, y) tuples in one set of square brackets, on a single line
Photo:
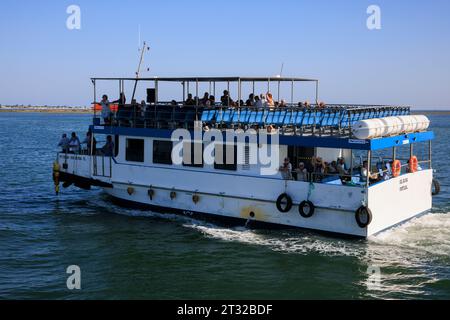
[(74, 144), (64, 143), (106, 111)]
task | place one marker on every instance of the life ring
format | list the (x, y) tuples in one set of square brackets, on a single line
[(309, 206), (363, 217), (437, 188), (413, 164), (396, 168), (284, 199)]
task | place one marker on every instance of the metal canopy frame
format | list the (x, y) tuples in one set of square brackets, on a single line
[(213, 81)]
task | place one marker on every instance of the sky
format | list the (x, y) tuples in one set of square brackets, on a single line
[(406, 62)]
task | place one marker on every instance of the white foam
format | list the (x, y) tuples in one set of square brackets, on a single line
[(430, 233), (279, 242)]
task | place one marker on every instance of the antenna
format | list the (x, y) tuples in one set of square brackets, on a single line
[(144, 48), (282, 67)]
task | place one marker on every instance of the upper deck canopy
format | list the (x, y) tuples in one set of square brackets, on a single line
[(213, 79)]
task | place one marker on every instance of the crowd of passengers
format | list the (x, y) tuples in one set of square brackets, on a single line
[(88, 146), (318, 170), (263, 101)]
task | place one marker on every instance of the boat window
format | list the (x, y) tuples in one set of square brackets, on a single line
[(135, 150), (225, 157), (162, 152), (190, 158)]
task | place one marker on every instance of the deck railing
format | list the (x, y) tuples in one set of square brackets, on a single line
[(316, 120)]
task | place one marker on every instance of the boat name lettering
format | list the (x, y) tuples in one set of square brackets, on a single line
[(356, 141)]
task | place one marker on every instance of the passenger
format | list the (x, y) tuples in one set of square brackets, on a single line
[(106, 111), (269, 100), (226, 99), (341, 167), (143, 108), (250, 101), (322, 105), (121, 101), (302, 173), (64, 143), (283, 104), (174, 103), (108, 148), (90, 142), (189, 101), (258, 103), (300, 105), (365, 173), (212, 101), (307, 105), (286, 169), (333, 168), (74, 143), (318, 169), (205, 101)]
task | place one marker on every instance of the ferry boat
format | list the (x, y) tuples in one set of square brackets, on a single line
[(352, 170)]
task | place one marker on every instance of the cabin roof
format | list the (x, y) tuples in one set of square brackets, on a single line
[(214, 79)]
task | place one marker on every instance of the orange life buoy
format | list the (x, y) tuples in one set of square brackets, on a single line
[(413, 164), (396, 168)]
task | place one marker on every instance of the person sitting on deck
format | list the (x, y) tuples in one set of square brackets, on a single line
[(341, 167), (74, 143), (91, 143), (286, 169), (106, 111), (365, 174), (318, 169), (64, 143), (332, 168), (306, 104), (250, 101), (108, 148), (302, 172), (226, 99), (189, 101)]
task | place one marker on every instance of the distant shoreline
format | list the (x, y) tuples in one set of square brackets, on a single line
[(61, 111)]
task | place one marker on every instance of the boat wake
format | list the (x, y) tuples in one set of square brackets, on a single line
[(426, 235)]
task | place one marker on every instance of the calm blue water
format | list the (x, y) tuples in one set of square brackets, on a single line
[(134, 254)]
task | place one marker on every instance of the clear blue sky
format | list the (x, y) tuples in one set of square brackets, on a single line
[(406, 62)]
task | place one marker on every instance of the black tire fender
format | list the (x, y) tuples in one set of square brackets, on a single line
[(363, 211), (284, 198), (437, 187), (302, 211)]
